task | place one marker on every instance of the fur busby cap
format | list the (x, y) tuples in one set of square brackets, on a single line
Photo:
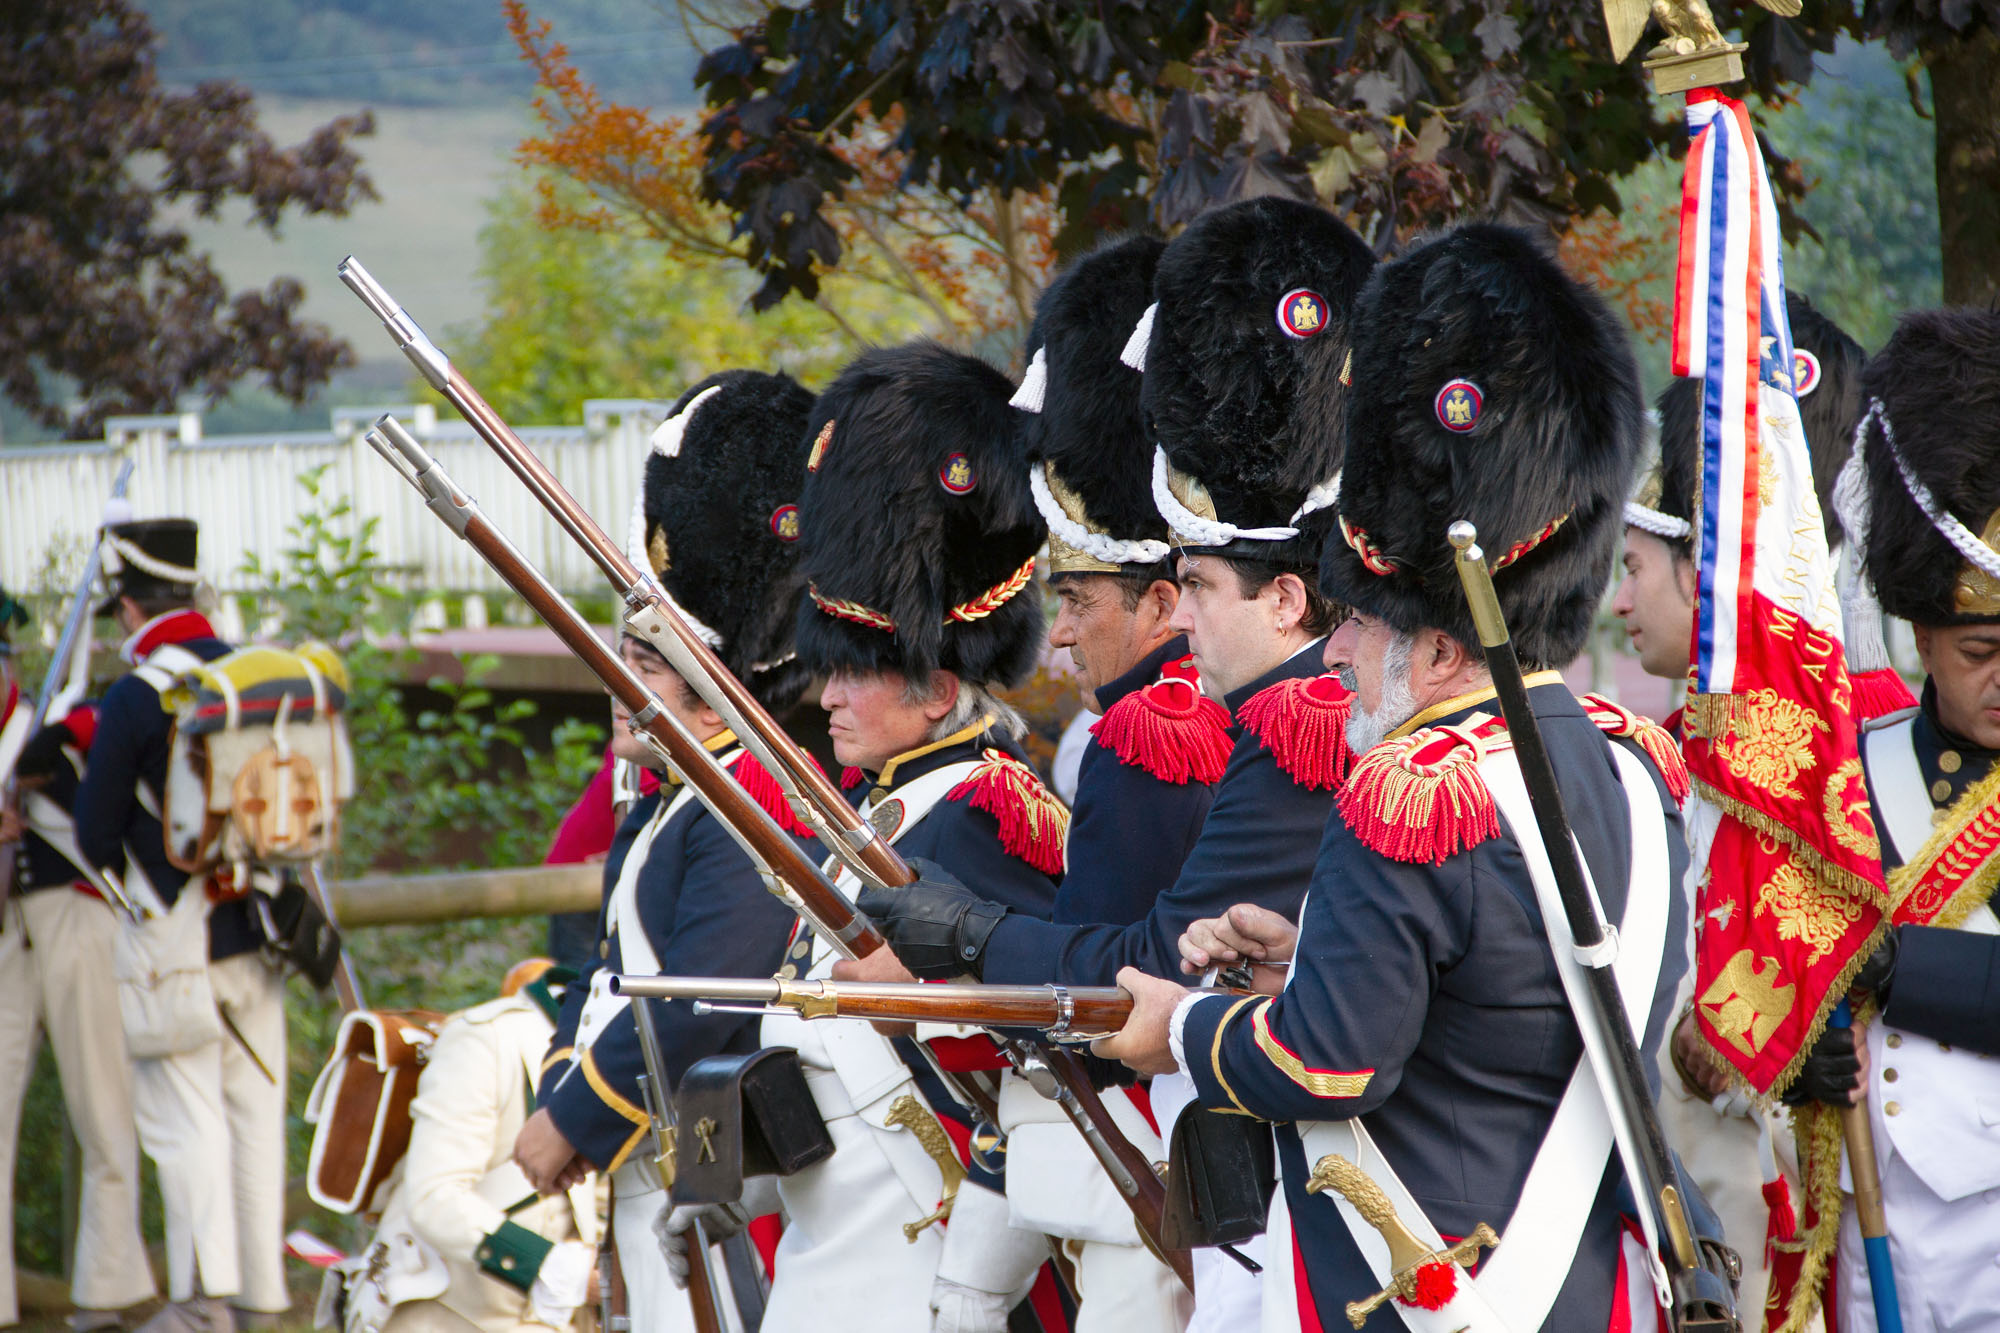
[(1245, 358), (1490, 386), (920, 533), (151, 558), (1826, 367), (1090, 461), (1937, 431), (719, 522)]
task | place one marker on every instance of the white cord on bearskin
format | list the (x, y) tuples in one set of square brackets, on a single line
[(1203, 531), (1097, 545)]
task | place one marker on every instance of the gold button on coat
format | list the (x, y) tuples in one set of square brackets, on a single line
[(1888, 1076), (1893, 1108), (1940, 790), (1950, 761), (1895, 1039)]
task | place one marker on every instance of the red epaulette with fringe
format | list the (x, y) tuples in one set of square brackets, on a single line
[(1880, 693), (758, 784), (1169, 728), (1303, 723), (1034, 825), (1419, 799), (852, 777), (1658, 743)]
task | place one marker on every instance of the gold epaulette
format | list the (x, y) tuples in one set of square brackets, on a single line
[(1034, 825), (1658, 743), (1419, 798)]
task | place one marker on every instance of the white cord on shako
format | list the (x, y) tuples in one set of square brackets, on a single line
[(1657, 523), (1214, 532)]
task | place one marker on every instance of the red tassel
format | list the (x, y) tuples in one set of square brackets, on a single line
[(1436, 1283), (1783, 1223), (851, 777), (762, 788), (1033, 823), (1303, 723), (1880, 693), (1420, 799), (1660, 744), (1170, 729)]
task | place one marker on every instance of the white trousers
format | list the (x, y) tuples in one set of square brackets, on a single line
[(1121, 1288), (214, 1124), (55, 977), (1946, 1256), (652, 1301)]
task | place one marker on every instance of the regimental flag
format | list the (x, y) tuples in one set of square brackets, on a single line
[(1792, 898)]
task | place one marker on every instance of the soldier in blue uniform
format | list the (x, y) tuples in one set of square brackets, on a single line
[(212, 1116), (919, 548), (1422, 1030), (1927, 468), (714, 523), (1242, 398)]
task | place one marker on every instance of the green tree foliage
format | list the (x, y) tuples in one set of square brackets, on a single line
[(575, 313), (102, 299)]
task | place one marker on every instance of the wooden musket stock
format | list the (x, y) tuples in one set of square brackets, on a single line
[(1065, 1013)]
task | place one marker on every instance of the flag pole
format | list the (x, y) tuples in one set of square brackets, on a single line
[(1869, 1214)]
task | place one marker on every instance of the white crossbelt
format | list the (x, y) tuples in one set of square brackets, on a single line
[(1521, 1278)]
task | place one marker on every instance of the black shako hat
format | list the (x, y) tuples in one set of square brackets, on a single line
[(1931, 446), (1245, 354), (718, 522), (150, 558), (1090, 462), (1490, 386), (919, 532), (1826, 366)]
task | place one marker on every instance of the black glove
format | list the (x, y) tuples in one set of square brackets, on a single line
[(937, 926), (1829, 1073), (1879, 971)]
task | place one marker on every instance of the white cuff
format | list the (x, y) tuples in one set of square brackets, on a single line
[(562, 1283), (1177, 1024)]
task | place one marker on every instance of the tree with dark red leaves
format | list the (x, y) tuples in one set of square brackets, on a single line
[(1399, 117), (101, 300)]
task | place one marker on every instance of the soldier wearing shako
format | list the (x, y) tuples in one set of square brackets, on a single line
[(714, 524), (211, 1114), (1928, 463), (1733, 1148), (919, 548), (1243, 357), (1421, 1045)]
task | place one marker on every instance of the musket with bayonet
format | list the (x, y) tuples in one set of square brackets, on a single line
[(651, 615), (1702, 1299), (68, 670)]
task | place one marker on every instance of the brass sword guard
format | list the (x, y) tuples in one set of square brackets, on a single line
[(1408, 1256), (909, 1113)]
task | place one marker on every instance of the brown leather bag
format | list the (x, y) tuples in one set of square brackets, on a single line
[(360, 1105)]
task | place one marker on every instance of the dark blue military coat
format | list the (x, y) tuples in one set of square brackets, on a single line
[(131, 746), (1256, 846), (707, 914), (1426, 1001), (1129, 830)]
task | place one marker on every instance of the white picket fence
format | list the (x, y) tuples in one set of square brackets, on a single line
[(244, 491)]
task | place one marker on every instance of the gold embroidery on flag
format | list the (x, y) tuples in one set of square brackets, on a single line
[(1745, 1004)]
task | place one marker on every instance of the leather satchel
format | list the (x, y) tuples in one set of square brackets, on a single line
[(1221, 1171), (360, 1105), (744, 1115)]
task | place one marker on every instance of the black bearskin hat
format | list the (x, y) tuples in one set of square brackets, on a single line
[(719, 522), (152, 558), (1491, 386), (1245, 357), (920, 534), (1938, 386), (1090, 462), (1827, 366)]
